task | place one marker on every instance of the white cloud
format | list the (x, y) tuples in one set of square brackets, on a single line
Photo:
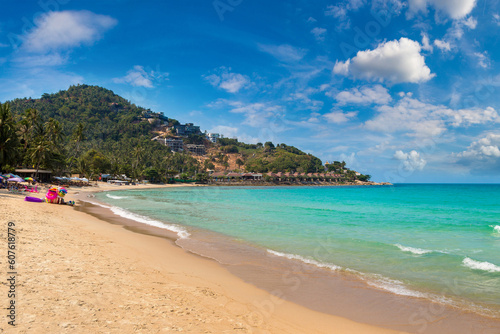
[(302, 97), (455, 33), (339, 117), (496, 19), (227, 131), (455, 9), (228, 81), (394, 61), (337, 11), (364, 96), (442, 45), (410, 161), (470, 22), (423, 120), (259, 114), (319, 33), (341, 11), (426, 43), (66, 29), (466, 117), (482, 156), (483, 59), (484, 148), (139, 77), (285, 53)]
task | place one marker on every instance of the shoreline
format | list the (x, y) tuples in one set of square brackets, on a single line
[(79, 273), (350, 293)]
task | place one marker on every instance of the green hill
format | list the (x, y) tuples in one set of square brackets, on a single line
[(90, 130)]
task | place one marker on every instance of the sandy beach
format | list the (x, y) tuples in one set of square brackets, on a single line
[(76, 273)]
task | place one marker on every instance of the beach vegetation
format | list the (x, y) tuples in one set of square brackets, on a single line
[(89, 130)]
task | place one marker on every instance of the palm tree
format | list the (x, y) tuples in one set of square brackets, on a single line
[(40, 152), (79, 136), (137, 154), (9, 141)]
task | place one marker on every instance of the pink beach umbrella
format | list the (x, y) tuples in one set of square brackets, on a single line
[(15, 179)]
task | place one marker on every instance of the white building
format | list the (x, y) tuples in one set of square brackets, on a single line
[(213, 137)]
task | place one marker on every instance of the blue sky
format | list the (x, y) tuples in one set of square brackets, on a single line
[(406, 91)]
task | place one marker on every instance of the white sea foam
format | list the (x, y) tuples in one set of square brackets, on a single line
[(305, 260), (478, 265), (393, 286), (497, 228), (417, 251), (182, 233), (116, 197), (99, 204)]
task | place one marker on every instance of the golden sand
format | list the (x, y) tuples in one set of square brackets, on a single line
[(79, 274)]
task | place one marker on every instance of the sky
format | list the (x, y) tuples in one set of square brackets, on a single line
[(406, 91)]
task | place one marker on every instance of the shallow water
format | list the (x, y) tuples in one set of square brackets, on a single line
[(440, 242)]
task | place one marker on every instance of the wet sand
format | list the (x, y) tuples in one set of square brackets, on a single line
[(78, 273), (322, 290)]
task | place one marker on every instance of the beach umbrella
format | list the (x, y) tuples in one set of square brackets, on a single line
[(15, 179), (85, 179), (29, 179)]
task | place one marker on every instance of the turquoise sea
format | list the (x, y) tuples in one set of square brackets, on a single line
[(435, 241)]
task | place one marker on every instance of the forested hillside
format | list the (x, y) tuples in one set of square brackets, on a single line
[(90, 130)]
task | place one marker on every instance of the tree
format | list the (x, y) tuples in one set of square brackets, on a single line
[(151, 174), (54, 132), (9, 141), (239, 162), (96, 163), (79, 136), (269, 146), (364, 178), (40, 152)]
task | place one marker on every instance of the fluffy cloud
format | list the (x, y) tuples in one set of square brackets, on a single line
[(393, 61), (364, 96), (66, 29), (423, 120), (466, 117), (339, 117), (486, 148), (482, 156), (410, 161), (341, 10), (285, 53), (228, 81), (455, 9), (139, 77), (442, 45)]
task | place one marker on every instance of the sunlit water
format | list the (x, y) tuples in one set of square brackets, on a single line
[(431, 241)]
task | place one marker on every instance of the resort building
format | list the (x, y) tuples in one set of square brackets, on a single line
[(187, 129), (213, 137), (175, 144), (196, 149)]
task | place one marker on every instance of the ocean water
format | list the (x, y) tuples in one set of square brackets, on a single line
[(440, 242)]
